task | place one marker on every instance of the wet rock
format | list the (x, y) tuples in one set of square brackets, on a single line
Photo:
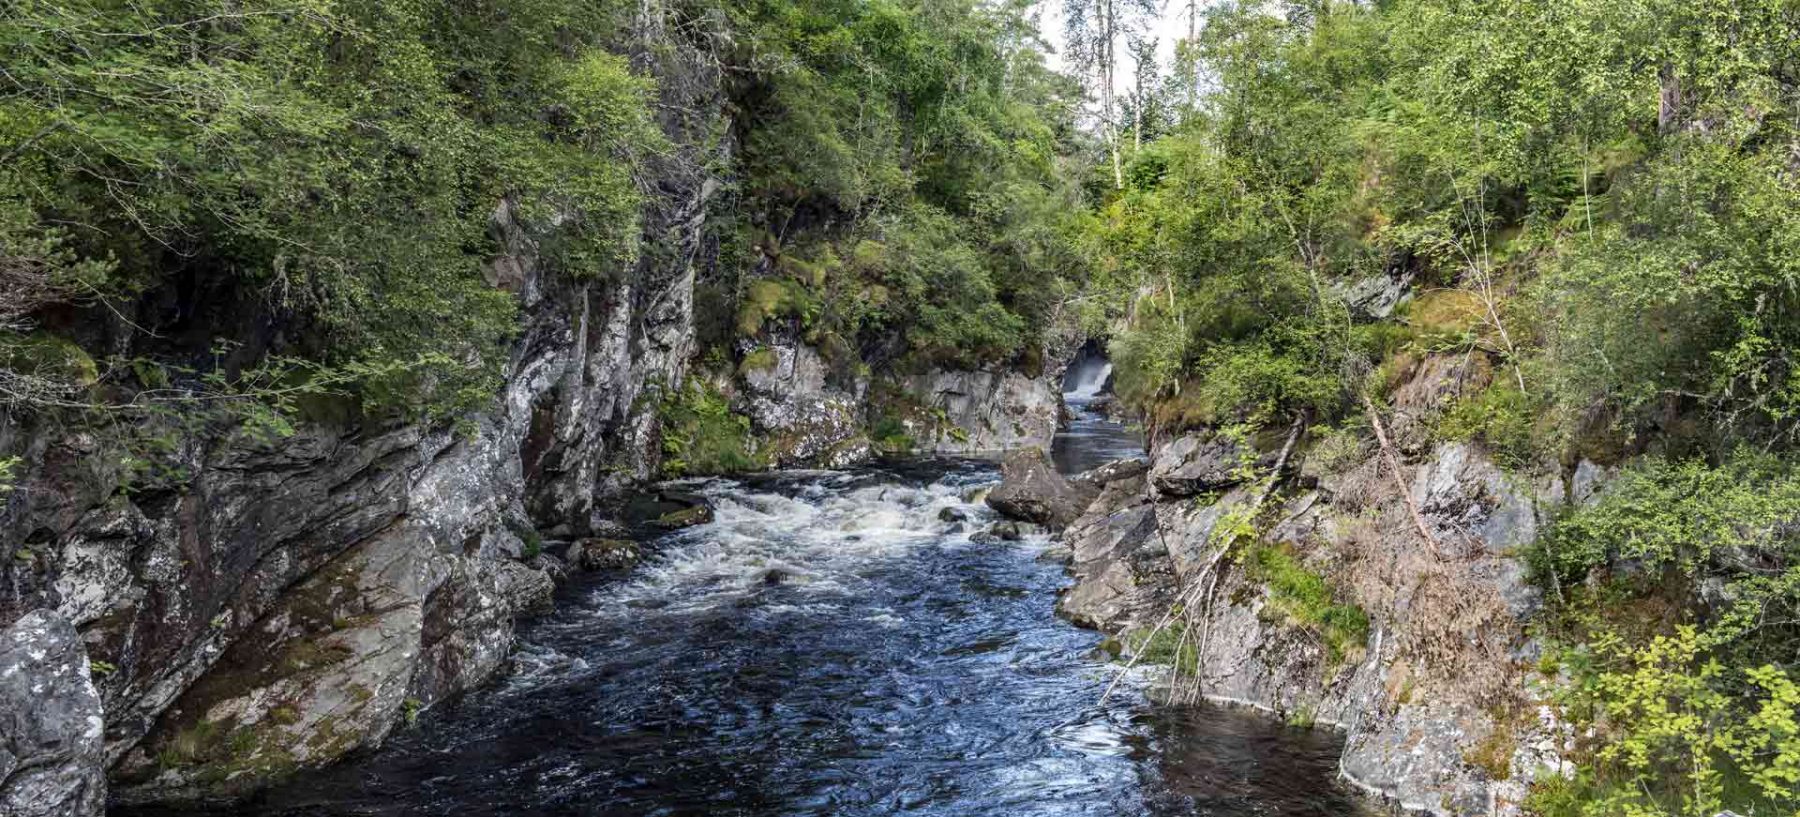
[(1013, 531), (777, 575), (685, 517), (1124, 579), (1031, 490), (953, 514), (602, 554), (52, 758)]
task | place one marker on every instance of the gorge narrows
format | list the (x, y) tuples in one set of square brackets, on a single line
[(833, 643)]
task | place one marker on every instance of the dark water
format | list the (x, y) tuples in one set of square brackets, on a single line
[(828, 646), (1090, 440)]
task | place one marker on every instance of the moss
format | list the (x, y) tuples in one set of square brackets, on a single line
[(1445, 316), (702, 435), (767, 298), (889, 435), (1506, 421), (49, 356), (533, 541), (762, 359), (685, 517), (1493, 753), (1165, 647)]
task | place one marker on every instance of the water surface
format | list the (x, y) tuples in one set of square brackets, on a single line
[(835, 643)]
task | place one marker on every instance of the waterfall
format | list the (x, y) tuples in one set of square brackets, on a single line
[(1087, 378)]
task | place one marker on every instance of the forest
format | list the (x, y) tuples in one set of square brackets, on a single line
[(247, 217)]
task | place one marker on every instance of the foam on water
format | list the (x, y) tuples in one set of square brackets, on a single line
[(829, 645)]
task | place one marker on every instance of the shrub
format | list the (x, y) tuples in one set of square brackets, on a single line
[(702, 435)]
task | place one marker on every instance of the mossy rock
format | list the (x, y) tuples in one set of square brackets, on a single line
[(763, 359), (49, 356), (685, 517)]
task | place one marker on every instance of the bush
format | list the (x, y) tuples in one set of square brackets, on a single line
[(701, 435), (1687, 708)]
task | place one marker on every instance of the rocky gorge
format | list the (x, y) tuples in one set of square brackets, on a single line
[(1325, 583), (296, 601), (283, 603)]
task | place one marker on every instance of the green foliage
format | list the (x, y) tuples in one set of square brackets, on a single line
[(701, 434), (1692, 708), (910, 152), (1684, 515), (1305, 599), (1173, 647), (1502, 418), (339, 160)]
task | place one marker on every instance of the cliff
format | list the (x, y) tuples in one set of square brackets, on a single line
[(1321, 599)]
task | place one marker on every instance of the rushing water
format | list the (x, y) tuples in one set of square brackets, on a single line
[(833, 644)]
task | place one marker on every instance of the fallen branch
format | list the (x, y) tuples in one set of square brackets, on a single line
[(1393, 463)]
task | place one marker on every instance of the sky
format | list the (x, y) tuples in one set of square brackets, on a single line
[(1169, 27)]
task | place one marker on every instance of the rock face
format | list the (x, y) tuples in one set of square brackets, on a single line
[(52, 760), (1441, 709), (1197, 463), (281, 603), (1030, 489), (805, 419), (986, 411)]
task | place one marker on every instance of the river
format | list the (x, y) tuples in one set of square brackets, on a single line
[(834, 643)]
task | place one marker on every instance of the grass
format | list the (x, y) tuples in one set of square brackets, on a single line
[(1305, 599)]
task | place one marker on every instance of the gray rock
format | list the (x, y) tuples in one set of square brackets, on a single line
[(1418, 697), (793, 406), (1377, 296), (1194, 464), (985, 411), (1012, 531), (1112, 472), (1031, 490), (52, 756)]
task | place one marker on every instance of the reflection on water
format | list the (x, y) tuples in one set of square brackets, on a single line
[(830, 645)]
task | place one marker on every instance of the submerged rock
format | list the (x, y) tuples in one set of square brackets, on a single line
[(52, 757), (1031, 490)]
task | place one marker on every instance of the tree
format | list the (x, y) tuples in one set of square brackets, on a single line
[(1093, 29)]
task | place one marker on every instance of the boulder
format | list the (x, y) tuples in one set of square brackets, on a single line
[(52, 756), (1031, 490)]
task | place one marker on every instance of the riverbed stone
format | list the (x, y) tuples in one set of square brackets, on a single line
[(1031, 490)]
